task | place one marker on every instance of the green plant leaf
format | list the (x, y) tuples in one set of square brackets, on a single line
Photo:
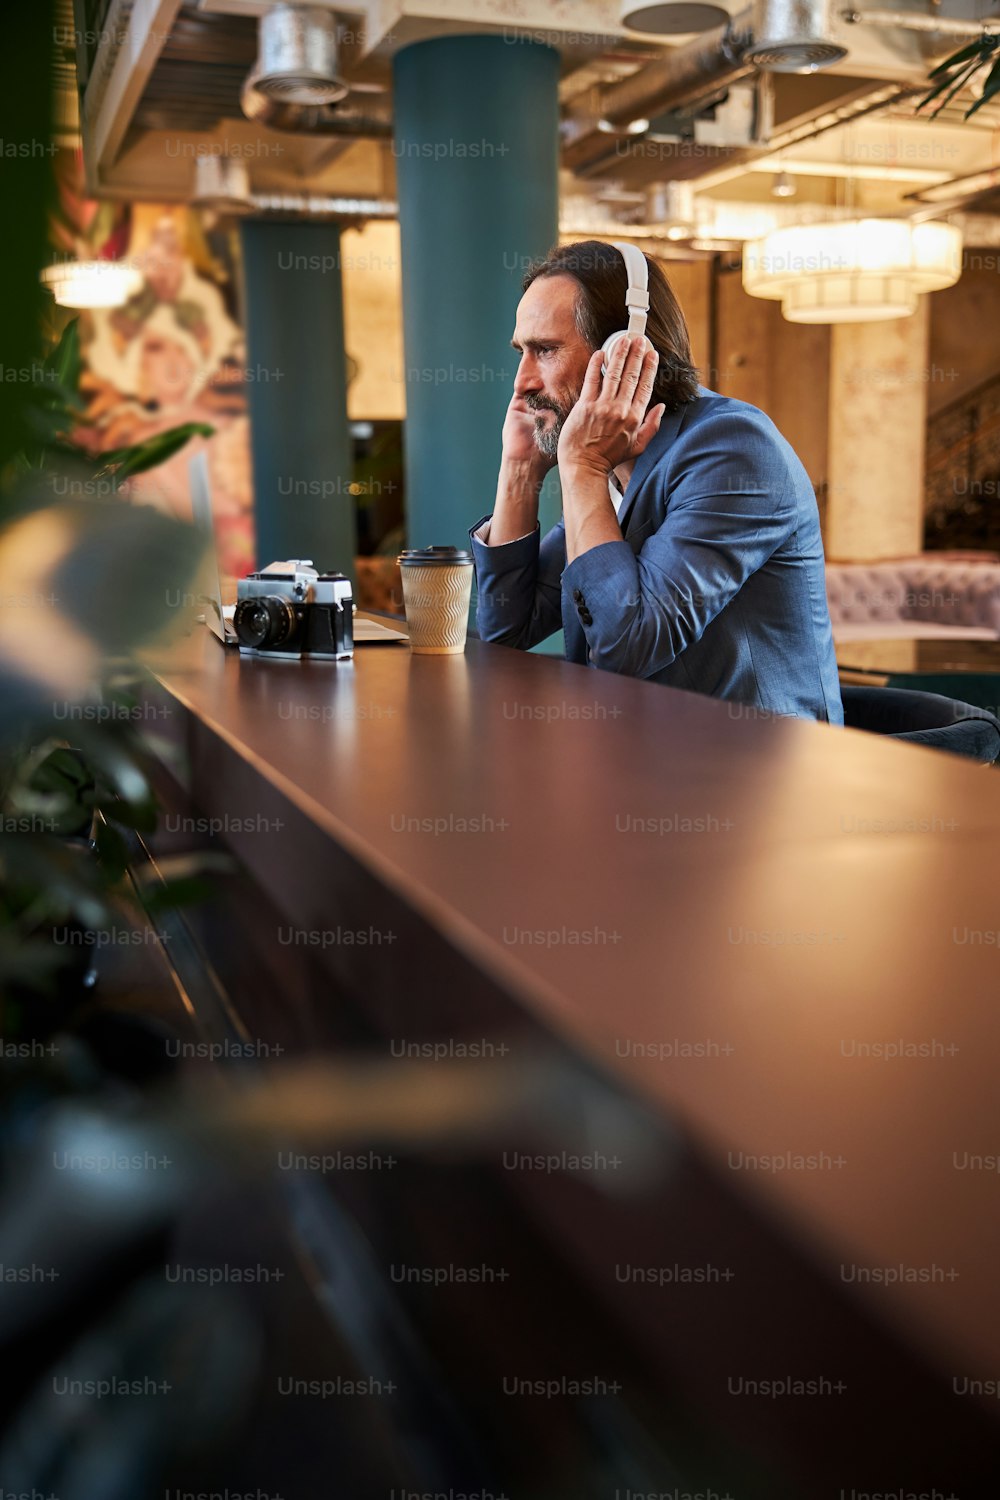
[(63, 788), (70, 452), (31, 965), (114, 762), (990, 87), (64, 361), (113, 851), (945, 83), (182, 880), (61, 768), (954, 84), (112, 456), (154, 451), (174, 893), (47, 880), (48, 791), (138, 815), (972, 49), (52, 393), (47, 423)]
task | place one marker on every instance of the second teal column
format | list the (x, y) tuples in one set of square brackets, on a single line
[(301, 443), (476, 150)]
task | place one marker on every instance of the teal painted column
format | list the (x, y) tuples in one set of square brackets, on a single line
[(297, 392), (476, 155)]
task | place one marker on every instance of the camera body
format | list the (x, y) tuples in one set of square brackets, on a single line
[(288, 609)]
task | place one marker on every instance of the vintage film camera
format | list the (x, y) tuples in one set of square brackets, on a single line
[(288, 609)]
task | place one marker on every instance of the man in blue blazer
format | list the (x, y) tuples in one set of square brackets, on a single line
[(689, 550)]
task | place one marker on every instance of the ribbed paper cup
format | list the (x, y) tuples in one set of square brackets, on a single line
[(437, 587)]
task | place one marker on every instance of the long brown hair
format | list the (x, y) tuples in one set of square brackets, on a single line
[(599, 271)]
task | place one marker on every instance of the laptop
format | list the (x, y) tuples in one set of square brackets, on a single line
[(218, 616)]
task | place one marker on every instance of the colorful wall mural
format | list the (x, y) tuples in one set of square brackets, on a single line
[(174, 353)]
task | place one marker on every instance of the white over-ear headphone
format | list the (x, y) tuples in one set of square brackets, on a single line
[(636, 298)]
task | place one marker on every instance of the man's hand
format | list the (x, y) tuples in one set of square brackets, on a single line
[(609, 423), (522, 469), (518, 439)]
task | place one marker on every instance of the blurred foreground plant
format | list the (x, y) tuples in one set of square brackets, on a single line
[(84, 581)]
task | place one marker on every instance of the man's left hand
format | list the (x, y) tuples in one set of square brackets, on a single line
[(609, 423)]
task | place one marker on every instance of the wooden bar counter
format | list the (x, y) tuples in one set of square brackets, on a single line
[(780, 939)]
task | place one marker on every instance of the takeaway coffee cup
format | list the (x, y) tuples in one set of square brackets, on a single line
[(437, 586)]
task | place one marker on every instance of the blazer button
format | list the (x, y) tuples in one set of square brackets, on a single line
[(577, 595), (586, 617)]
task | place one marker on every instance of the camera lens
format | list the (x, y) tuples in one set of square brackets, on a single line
[(265, 621)]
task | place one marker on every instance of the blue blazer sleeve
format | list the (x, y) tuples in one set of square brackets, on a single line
[(729, 506), (518, 587)]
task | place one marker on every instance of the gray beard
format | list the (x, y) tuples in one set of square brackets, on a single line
[(547, 437)]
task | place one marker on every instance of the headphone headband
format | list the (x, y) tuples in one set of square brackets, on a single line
[(637, 293)]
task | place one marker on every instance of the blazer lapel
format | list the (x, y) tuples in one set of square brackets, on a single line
[(669, 428)]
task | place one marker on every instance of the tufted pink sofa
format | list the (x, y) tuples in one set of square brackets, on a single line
[(931, 595)]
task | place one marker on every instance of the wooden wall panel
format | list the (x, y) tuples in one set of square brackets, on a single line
[(373, 322), (690, 283)]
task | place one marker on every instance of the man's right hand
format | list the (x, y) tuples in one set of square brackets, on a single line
[(522, 470), (518, 439)]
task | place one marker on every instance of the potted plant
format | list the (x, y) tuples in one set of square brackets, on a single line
[(961, 68)]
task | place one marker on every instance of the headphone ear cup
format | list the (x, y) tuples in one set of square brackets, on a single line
[(609, 344)]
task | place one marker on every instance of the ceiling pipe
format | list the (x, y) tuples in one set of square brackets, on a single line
[(648, 236), (828, 117), (958, 193), (681, 75), (686, 73), (314, 205), (709, 63), (911, 22)]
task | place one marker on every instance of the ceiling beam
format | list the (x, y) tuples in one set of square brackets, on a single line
[(132, 39)]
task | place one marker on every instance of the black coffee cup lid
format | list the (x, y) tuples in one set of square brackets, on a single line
[(424, 556)]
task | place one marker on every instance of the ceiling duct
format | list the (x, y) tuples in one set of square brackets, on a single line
[(792, 36), (372, 120), (298, 56), (222, 186), (689, 72), (670, 205), (958, 192), (709, 62), (221, 183), (294, 85)]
